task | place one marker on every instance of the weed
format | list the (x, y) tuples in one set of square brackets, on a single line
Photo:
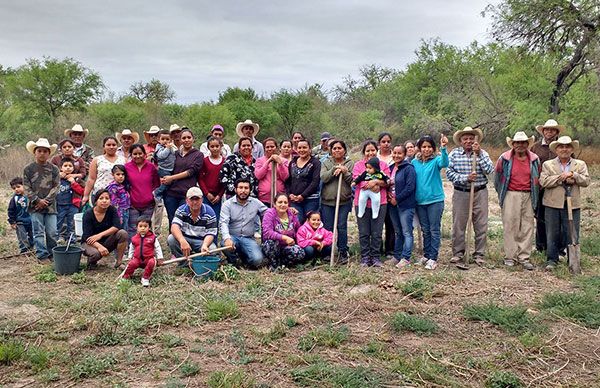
[(38, 358), (227, 273), (91, 366), (234, 379), (329, 336), (48, 375), (106, 336), (239, 341), (78, 278), (589, 284), (417, 288), (11, 351), (290, 322), (46, 275), (174, 383), (583, 307), (277, 331), (531, 340), (335, 375), (353, 276), (590, 244), (171, 341), (423, 369), (188, 369), (513, 319), (503, 379), (375, 349), (220, 308), (401, 322)]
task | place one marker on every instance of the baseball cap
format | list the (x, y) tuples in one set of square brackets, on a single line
[(194, 191)]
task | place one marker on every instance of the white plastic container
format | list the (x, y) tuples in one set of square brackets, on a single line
[(78, 220)]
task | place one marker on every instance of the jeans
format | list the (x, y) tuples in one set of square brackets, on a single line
[(369, 233), (430, 216), (248, 251), (308, 205), (312, 253), (216, 207), (160, 191), (328, 215), (394, 214), (25, 236), (44, 233), (557, 230), (195, 244), (64, 220), (171, 204)]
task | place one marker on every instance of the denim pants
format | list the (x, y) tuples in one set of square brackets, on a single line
[(44, 233), (312, 253), (557, 230), (430, 217), (370, 233), (171, 204), (403, 228), (216, 207), (25, 236), (64, 220), (328, 215), (248, 251), (308, 205), (160, 191)]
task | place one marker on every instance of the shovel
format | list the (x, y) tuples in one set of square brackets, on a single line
[(465, 264), (573, 251), (335, 220), (273, 182)]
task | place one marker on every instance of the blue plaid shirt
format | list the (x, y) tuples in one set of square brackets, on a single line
[(459, 168)]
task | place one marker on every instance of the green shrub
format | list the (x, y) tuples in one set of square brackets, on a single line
[(502, 379), (227, 272), (188, 369), (46, 275), (11, 351), (418, 288), (322, 373), (220, 308), (514, 319), (234, 379), (92, 366), (328, 336), (583, 307), (402, 322)]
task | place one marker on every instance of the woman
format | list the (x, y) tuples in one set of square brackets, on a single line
[(279, 229), (100, 174), (102, 231), (385, 155), (143, 180), (410, 150), (401, 199), (430, 196), (296, 137), (303, 181), (127, 138), (188, 163), (369, 229), (332, 167), (67, 151), (384, 140), (208, 179), (238, 165), (286, 149), (263, 171)]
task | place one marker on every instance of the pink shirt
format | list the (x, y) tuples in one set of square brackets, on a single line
[(142, 183), (262, 171), (359, 168)]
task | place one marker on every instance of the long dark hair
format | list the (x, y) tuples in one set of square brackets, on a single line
[(120, 167)]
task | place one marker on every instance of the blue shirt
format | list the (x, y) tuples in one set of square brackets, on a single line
[(65, 193), (204, 225), (429, 180)]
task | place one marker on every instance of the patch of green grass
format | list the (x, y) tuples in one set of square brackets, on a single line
[(188, 369), (531, 341), (171, 340), (92, 366), (322, 373), (49, 375), (402, 322), (513, 319), (503, 379), (38, 358), (107, 335), (328, 336), (589, 284), (416, 370), (290, 322), (590, 244), (46, 275), (220, 308), (583, 307), (418, 288), (78, 278), (226, 273), (354, 276), (11, 351), (275, 332), (233, 379)]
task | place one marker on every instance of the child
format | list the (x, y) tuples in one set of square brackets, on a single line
[(119, 196), (18, 218), (144, 251), (68, 199), (208, 178), (164, 155), (372, 172), (314, 238), (40, 180)]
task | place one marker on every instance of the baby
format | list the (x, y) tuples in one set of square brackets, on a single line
[(164, 155), (372, 171)]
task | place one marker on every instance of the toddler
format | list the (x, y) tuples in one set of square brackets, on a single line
[(119, 196), (144, 251), (372, 172), (68, 199), (164, 155), (18, 218), (314, 238)]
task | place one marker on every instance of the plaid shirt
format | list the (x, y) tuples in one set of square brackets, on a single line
[(460, 167)]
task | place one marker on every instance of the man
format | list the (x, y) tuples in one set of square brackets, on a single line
[(549, 131), (561, 176), (218, 132), (517, 174), (77, 135), (322, 150), (460, 173), (127, 138), (250, 129), (175, 132), (194, 226), (151, 137), (237, 224)]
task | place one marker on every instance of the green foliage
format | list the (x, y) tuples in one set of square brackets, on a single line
[(11, 351), (38, 358), (78, 278), (233, 379), (513, 319), (277, 331), (418, 288), (582, 307), (188, 369), (154, 90), (171, 340), (329, 336), (220, 308), (92, 366), (353, 276), (335, 375), (402, 322), (46, 275), (291, 107), (503, 379), (226, 273)]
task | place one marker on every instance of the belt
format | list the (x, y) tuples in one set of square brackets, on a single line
[(521, 191), (479, 188)]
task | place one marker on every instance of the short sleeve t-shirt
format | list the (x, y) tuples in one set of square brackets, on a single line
[(520, 175)]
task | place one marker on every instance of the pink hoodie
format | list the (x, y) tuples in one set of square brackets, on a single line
[(306, 235)]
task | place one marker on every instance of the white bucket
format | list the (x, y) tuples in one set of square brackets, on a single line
[(78, 218)]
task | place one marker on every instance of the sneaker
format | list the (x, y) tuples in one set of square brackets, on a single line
[(431, 264), (527, 265), (550, 266), (456, 259), (365, 262), (421, 261), (402, 264), (376, 263), (145, 282), (342, 257), (509, 262)]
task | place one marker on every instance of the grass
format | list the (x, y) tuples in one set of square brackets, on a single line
[(503, 379), (232, 379), (402, 322), (11, 351), (582, 307), (353, 276), (321, 372), (513, 319), (92, 366), (421, 369), (188, 369), (328, 336), (418, 288), (220, 308), (46, 275), (275, 332)]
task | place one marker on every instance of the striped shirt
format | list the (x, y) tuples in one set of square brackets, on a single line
[(205, 225), (459, 168)]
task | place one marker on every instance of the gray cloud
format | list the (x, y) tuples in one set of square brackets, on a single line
[(202, 47)]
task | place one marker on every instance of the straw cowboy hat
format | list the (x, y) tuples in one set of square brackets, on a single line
[(127, 132), (565, 140), (549, 124), (174, 127), (76, 128), (41, 142), (153, 130), (239, 126), (467, 131), (520, 136)]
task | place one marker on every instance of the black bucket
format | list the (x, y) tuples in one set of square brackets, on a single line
[(66, 262)]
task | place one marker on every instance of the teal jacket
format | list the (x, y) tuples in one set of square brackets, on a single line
[(503, 171), (429, 179)]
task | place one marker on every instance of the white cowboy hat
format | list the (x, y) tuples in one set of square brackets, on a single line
[(127, 132), (153, 130), (239, 126), (467, 131), (41, 142), (565, 140), (76, 128), (549, 124), (174, 127), (520, 136)]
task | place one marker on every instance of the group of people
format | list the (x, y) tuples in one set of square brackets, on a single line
[(288, 194)]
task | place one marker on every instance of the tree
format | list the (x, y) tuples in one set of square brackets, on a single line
[(231, 94), (569, 30), (153, 91), (54, 85), (291, 107)]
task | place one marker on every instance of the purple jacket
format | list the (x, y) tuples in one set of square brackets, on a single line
[(272, 229)]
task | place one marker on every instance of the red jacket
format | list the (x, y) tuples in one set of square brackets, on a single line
[(143, 246), (77, 193)]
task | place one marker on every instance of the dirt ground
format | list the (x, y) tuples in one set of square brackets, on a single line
[(310, 326)]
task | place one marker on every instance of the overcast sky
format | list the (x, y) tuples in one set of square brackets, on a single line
[(201, 47)]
